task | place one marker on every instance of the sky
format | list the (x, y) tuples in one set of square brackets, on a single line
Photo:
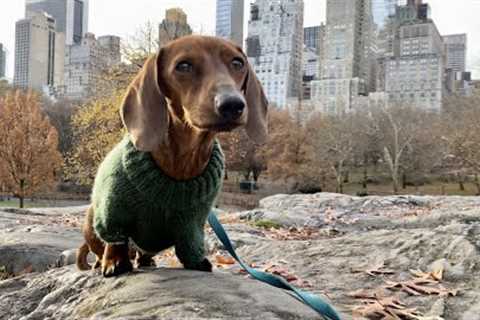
[(123, 17)]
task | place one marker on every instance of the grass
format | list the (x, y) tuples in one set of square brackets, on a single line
[(435, 188), (267, 224)]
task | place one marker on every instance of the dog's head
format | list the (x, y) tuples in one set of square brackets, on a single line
[(205, 82)]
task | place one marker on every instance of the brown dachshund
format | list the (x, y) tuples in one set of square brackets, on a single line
[(194, 88)]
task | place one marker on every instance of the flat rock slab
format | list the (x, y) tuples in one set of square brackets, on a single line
[(35, 239), (153, 294)]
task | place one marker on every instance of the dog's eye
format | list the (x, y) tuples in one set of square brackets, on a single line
[(237, 64), (184, 67)]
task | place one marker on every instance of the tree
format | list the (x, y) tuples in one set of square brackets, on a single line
[(96, 129), (288, 152), (462, 134), (29, 157), (397, 128), (241, 154), (142, 44), (60, 115), (333, 139)]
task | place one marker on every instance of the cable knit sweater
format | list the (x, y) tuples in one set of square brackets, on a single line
[(134, 200)]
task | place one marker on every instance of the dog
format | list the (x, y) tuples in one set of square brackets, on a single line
[(155, 189)]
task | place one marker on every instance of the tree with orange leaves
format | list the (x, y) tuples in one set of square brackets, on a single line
[(29, 157)]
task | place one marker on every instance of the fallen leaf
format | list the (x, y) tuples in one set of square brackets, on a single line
[(378, 269), (421, 286), (222, 260), (436, 275)]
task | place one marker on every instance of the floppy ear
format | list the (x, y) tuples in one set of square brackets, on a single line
[(144, 108), (257, 104)]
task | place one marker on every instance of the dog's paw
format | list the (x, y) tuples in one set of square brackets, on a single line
[(144, 260), (115, 267), (205, 265)]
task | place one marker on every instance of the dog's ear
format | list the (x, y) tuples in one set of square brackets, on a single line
[(257, 104), (144, 108)]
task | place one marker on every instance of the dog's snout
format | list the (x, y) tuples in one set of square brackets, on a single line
[(230, 107)]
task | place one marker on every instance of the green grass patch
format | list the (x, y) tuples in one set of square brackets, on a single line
[(267, 224)]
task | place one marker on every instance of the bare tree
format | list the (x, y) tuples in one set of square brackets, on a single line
[(138, 47), (333, 139), (462, 135), (397, 128)]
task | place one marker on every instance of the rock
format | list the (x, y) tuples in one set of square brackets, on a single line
[(154, 294), (401, 232), (34, 239)]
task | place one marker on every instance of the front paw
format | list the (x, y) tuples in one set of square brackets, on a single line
[(116, 267), (205, 266)]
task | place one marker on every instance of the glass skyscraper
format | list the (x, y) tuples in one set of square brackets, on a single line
[(229, 20), (71, 16), (382, 9)]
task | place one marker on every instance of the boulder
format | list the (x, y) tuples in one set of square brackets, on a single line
[(365, 237), (149, 294)]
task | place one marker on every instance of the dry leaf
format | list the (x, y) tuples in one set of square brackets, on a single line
[(378, 269), (421, 286), (436, 275), (224, 260), (376, 306)]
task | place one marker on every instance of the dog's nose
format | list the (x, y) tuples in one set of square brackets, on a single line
[(230, 107)]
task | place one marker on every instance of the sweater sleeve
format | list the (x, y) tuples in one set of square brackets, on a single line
[(113, 218)]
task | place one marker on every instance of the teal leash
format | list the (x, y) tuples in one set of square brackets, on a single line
[(311, 300)]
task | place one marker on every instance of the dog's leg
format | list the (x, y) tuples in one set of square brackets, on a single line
[(92, 243), (144, 260), (190, 250), (116, 260)]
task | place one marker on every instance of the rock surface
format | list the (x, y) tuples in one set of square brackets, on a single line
[(347, 236), (154, 294), (35, 239)]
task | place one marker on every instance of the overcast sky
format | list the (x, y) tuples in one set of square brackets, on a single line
[(122, 17)]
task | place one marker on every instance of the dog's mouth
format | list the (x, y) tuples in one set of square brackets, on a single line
[(218, 127)]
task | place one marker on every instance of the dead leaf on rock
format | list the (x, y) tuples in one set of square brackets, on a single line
[(436, 275), (377, 269), (421, 286), (376, 306), (222, 260)]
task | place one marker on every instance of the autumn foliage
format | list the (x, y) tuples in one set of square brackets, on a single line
[(29, 157), (96, 129)]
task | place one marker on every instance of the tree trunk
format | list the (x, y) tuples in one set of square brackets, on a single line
[(461, 183), (346, 178), (477, 184), (226, 175), (404, 180), (365, 173), (395, 182), (21, 195)]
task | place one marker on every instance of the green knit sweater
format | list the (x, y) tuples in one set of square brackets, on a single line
[(134, 200)]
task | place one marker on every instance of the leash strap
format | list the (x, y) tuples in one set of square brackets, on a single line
[(311, 300)]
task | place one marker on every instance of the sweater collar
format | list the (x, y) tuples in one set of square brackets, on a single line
[(164, 191)]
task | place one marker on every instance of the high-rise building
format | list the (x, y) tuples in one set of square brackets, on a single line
[(229, 20), (456, 52), (415, 77), (71, 16), (173, 26), (313, 37), (86, 61), (110, 46), (39, 53), (346, 67), (275, 47), (3, 61)]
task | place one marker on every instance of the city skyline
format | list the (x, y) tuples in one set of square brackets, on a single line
[(202, 19)]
